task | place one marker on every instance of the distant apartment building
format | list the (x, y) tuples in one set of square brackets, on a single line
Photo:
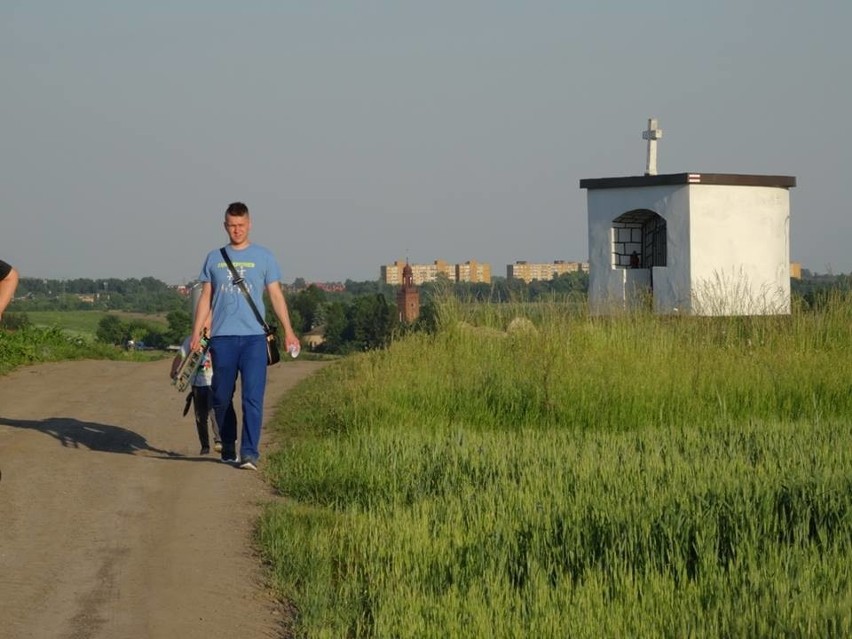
[(470, 271), (528, 272)]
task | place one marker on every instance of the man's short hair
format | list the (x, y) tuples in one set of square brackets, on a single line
[(237, 209)]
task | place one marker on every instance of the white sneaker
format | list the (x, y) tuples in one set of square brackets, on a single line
[(248, 465)]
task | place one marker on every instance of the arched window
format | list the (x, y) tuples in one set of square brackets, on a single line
[(638, 240)]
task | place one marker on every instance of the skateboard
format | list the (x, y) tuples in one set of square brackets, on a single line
[(190, 365)]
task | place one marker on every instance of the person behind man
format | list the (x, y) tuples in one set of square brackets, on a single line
[(201, 397), (238, 341), (8, 284)]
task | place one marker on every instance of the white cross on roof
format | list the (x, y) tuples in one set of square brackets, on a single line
[(652, 135)]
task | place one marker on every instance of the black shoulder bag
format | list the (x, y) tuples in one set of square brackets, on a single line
[(272, 353)]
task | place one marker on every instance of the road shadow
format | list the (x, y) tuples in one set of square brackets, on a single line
[(73, 433)]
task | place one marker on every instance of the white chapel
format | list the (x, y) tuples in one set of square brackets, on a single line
[(689, 243)]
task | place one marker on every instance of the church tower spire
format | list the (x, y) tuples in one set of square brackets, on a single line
[(408, 297)]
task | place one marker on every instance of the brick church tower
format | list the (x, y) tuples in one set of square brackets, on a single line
[(408, 298)]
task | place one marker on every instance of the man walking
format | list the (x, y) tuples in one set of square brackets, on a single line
[(238, 340)]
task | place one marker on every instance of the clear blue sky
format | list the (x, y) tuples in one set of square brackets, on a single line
[(363, 132)]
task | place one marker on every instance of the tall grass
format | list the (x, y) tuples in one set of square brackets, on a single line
[(564, 475)]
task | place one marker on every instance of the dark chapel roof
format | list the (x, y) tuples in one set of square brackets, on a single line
[(723, 179)]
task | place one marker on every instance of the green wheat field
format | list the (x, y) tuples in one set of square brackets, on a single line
[(531, 471)]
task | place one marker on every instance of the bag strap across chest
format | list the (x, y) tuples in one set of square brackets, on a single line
[(241, 282)]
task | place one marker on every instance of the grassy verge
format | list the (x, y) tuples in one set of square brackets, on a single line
[(34, 345), (573, 476)]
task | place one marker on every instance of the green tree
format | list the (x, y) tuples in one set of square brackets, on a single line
[(138, 330), (368, 287), (336, 326), (570, 283), (371, 322), (307, 303), (111, 330), (428, 319), (180, 325)]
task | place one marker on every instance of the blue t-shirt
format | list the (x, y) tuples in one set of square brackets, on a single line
[(232, 314)]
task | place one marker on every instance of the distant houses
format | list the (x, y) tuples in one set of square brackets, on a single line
[(473, 271)]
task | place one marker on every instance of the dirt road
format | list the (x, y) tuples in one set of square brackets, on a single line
[(111, 524)]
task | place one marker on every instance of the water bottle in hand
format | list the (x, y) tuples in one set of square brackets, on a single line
[(294, 350)]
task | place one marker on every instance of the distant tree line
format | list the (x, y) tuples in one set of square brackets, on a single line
[(139, 333), (363, 316), (815, 290), (146, 295)]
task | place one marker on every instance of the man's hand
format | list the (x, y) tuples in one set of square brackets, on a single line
[(291, 340)]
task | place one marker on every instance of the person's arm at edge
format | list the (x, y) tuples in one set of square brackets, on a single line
[(7, 289), (279, 305), (202, 314)]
